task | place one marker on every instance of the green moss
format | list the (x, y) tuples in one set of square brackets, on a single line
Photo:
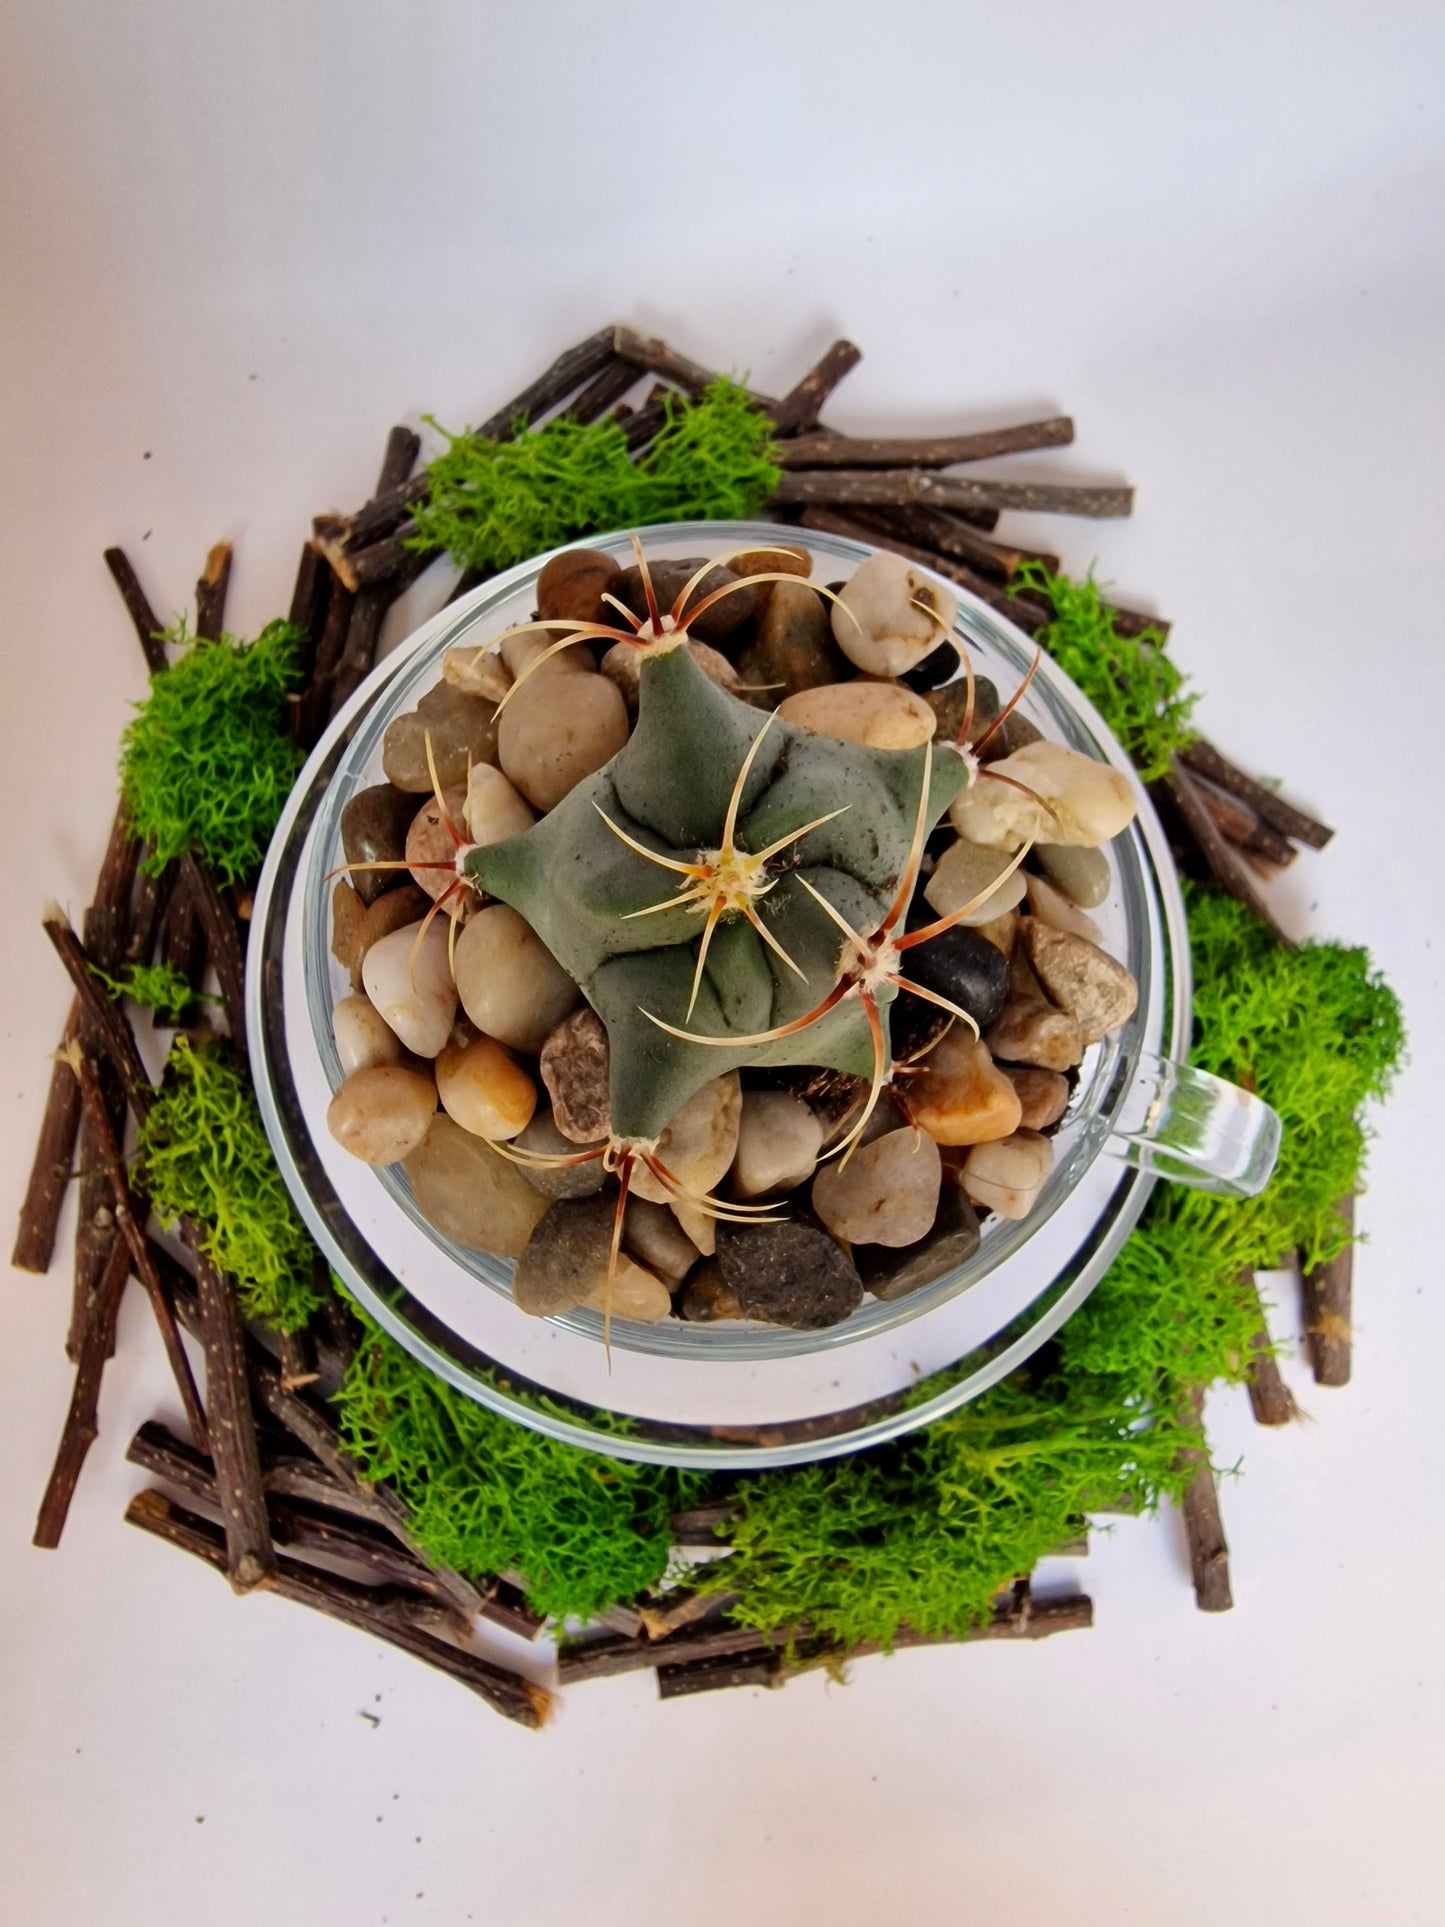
[(1130, 680), (203, 1154), (206, 764), (158, 987), (487, 1495), (493, 504)]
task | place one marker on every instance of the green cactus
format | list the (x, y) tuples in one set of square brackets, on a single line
[(593, 899)]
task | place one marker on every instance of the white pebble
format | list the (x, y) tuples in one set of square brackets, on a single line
[(363, 1036), (414, 993), (877, 622), (1007, 1175), (779, 1139), (1088, 801), (496, 808)]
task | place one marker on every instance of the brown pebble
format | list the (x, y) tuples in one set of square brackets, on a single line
[(347, 915), (1030, 1031), (430, 841), (1096, 991), (574, 1066), (704, 1298), (572, 585), (1043, 1094), (461, 729)]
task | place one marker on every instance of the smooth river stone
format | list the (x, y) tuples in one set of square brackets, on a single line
[(886, 1195), (670, 578), (382, 1114), (967, 873), (574, 1066), (522, 653), (699, 1144), (1082, 874), (654, 1237), (1052, 907), (557, 729), (462, 730), (880, 715), (471, 1193), (705, 1299), (572, 585), (1008, 1175), (632, 1292), (430, 842), (793, 648), (485, 1089), (347, 912), (542, 1138), (1044, 1096), (699, 1225), (373, 830), (959, 1096), (510, 984), (1087, 801), (950, 1241), (779, 1139), (407, 904), (496, 808), (413, 992), (789, 1274), (1098, 993), (1029, 1031), (363, 1036), (877, 622), (477, 672)]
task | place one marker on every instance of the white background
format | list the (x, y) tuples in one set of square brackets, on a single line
[(236, 242)]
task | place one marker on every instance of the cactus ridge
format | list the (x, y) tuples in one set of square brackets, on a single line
[(591, 897)]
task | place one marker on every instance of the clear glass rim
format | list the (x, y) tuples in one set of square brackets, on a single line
[(592, 1427)]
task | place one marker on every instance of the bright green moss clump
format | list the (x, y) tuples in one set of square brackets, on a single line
[(487, 1496), (207, 764), (203, 1154), (493, 504), (1135, 686), (157, 987)]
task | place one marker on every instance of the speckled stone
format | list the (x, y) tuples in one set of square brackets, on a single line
[(789, 1274), (1095, 990), (574, 1066), (462, 730), (951, 1241), (470, 1192)]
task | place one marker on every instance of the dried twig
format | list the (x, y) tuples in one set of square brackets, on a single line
[(81, 1425), (1205, 760), (1204, 1525), (211, 592), (148, 626), (888, 488), (938, 451), (1328, 1291), (803, 403)]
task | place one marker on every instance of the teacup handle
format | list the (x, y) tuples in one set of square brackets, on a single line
[(1193, 1127)]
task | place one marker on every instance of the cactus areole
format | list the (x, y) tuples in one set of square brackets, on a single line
[(682, 898)]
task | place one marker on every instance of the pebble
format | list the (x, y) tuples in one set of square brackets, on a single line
[(793, 646), (470, 1192), (1082, 874), (1002, 932), (789, 1274), (887, 1194), (363, 1036), (881, 715), (653, 1236), (1007, 1176), (962, 965), (574, 1066), (485, 1089), (462, 730), (951, 1241), (558, 729), (382, 1114), (477, 671), (413, 992), (705, 1299), (950, 703), (779, 1139), (1090, 801), (1052, 907), (1029, 1031), (429, 842), (566, 1256), (399, 907), (1044, 1096), (699, 1144), (785, 559), (495, 808), (523, 650), (940, 666), (572, 585), (1015, 732), (700, 1225), (623, 665), (347, 915), (557, 1180), (510, 984), (964, 874), (632, 1292), (960, 1096), (669, 578), (373, 830), (1098, 993), (877, 622)]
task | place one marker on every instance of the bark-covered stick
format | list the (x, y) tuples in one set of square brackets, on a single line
[(803, 403), (647, 354), (889, 487), (507, 1692), (81, 1426), (148, 626), (942, 533), (1270, 1399), (250, 1555), (601, 393), (938, 451), (1220, 857), (1204, 1525), (1205, 760), (211, 592), (50, 1168), (112, 1032), (130, 1216), (1024, 611), (1328, 1294)]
